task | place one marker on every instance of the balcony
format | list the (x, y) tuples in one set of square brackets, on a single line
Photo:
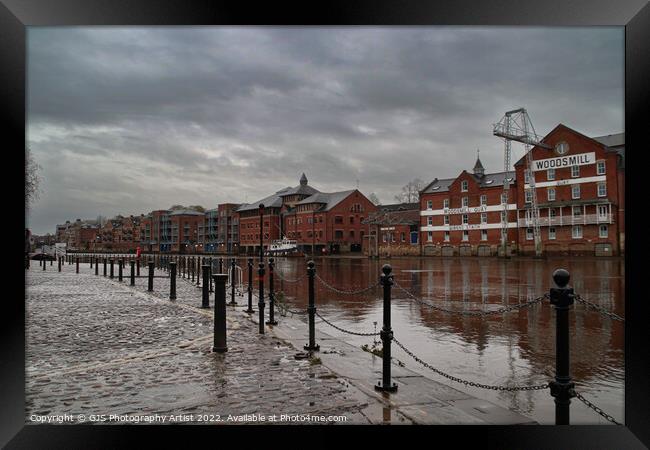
[(585, 219)]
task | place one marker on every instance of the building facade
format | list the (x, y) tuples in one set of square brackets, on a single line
[(579, 184), (393, 231)]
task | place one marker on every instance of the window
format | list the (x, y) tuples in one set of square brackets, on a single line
[(575, 191), (352, 234), (602, 190), (577, 211), (483, 200), (551, 194), (351, 220), (463, 186), (503, 216), (600, 167), (577, 232), (430, 236), (575, 171), (465, 218), (528, 196), (337, 219), (551, 233), (526, 176), (484, 235), (465, 235), (384, 236), (602, 231), (429, 204), (338, 234), (446, 236), (602, 212), (504, 198), (550, 174), (483, 217), (445, 203), (552, 213), (429, 220), (465, 201), (446, 220), (529, 234), (403, 237)]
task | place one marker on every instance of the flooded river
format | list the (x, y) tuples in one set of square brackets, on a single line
[(516, 348)]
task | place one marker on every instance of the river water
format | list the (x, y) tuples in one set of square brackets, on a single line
[(516, 348)]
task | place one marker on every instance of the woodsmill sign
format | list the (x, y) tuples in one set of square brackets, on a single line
[(581, 159)]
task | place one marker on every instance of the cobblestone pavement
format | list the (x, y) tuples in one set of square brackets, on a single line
[(98, 346)]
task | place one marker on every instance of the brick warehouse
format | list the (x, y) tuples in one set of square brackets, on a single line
[(394, 230), (580, 194), (463, 215), (581, 202)]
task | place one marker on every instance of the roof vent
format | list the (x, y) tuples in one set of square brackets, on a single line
[(489, 181), (435, 188)]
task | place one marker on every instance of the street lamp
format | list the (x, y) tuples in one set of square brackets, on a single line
[(261, 232)]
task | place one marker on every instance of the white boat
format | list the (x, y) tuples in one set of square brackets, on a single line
[(283, 246)]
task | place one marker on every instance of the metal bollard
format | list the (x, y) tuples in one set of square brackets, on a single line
[(51, 262), (150, 280), (104, 266), (91, 262), (60, 260), (232, 283), (119, 269), (112, 261), (211, 274), (220, 265), (311, 309), (271, 320), (205, 299), (192, 264), (43, 262), (172, 281), (250, 286), (386, 333), (562, 388), (132, 272), (137, 267), (96, 266), (200, 263), (220, 313), (260, 304)]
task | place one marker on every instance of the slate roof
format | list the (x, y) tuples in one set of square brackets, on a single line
[(328, 200), (487, 180)]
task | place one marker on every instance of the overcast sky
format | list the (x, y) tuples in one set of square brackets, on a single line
[(124, 120)]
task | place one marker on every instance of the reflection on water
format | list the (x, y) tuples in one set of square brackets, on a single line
[(513, 348)]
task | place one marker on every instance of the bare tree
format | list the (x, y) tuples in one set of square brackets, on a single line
[(374, 199), (32, 179), (410, 192), (198, 208)]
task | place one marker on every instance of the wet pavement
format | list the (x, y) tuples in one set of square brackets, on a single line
[(98, 347)]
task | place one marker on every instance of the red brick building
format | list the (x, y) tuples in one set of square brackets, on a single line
[(580, 194), (329, 222), (393, 230), (464, 215)]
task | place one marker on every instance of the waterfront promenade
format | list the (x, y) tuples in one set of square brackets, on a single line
[(98, 347)]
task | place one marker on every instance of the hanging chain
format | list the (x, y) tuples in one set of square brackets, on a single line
[(339, 291), (289, 280), (597, 409), (535, 387), (475, 312), (600, 309), (356, 333)]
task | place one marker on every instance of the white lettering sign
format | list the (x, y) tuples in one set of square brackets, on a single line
[(581, 159)]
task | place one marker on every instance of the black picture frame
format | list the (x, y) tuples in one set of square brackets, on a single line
[(634, 15)]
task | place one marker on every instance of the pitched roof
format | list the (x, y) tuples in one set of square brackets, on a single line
[(272, 201), (438, 185), (611, 140), (328, 200), (399, 207)]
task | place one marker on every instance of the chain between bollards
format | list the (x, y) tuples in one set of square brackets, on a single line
[(232, 283), (250, 286), (260, 304), (311, 309)]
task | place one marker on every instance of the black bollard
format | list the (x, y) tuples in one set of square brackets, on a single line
[(132, 272), (192, 264), (200, 263), (51, 261), (119, 269), (220, 313), (43, 262), (112, 275), (562, 388), (232, 283), (211, 274), (150, 280), (60, 260), (271, 320), (250, 286), (96, 266), (205, 299), (386, 333), (260, 304), (311, 309), (91, 262), (172, 281), (137, 267), (220, 265), (104, 266)]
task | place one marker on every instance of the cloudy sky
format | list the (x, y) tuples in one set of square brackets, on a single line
[(123, 120)]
